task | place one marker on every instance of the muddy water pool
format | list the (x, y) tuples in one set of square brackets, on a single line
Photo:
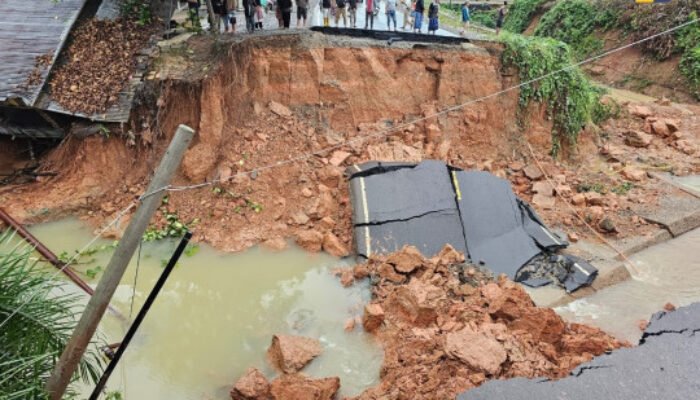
[(668, 272), (217, 313)]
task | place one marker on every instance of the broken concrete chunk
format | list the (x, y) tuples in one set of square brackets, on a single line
[(290, 354), (251, 386), (543, 187)]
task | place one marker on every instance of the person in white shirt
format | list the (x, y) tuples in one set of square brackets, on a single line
[(390, 14)]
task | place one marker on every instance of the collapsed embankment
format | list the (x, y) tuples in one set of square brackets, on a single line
[(269, 99)]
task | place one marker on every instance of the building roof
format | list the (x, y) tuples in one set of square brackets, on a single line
[(30, 29)]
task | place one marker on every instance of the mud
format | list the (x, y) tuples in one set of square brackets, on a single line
[(261, 101), (447, 327)]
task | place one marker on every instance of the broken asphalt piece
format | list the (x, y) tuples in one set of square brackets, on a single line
[(431, 204), (663, 366)]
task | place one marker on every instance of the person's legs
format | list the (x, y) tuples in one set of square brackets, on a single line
[(345, 17), (286, 17), (326, 13), (393, 18), (224, 19), (353, 17), (371, 20)]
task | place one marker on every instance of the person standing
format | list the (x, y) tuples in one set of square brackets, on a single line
[(326, 6), (286, 11), (433, 15), (259, 15), (301, 12), (418, 15), (352, 12), (230, 16), (390, 14), (406, 10), (465, 17), (502, 11), (369, 14), (249, 13), (340, 12), (193, 9)]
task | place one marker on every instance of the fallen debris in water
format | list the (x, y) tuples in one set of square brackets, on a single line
[(447, 327), (290, 353)]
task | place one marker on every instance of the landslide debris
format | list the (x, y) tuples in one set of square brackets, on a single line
[(291, 353), (447, 327), (98, 64)]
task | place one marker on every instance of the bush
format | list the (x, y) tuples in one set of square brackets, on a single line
[(485, 18), (520, 14), (688, 43), (572, 100)]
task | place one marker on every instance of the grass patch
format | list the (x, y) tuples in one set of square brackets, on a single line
[(520, 14)]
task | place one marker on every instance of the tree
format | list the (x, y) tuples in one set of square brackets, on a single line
[(33, 339)]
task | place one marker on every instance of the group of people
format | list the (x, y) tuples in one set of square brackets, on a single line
[(341, 10)]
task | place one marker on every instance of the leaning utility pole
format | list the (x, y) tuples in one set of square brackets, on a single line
[(68, 363)]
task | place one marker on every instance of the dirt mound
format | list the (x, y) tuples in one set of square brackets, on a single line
[(446, 327), (98, 63)]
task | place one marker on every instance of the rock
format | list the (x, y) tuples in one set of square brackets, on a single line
[(339, 157), (633, 174), (300, 387), (476, 350), (347, 278), (516, 166), (373, 317), (251, 386), (532, 172), (387, 271), (637, 139), (573, 238), (300, 218), (433, 133), (310, 240), (578, 199), (685, 146), (639, 111), (417, 302), (327, 222), (669, 307), (660, 128), (333, 246), (349, 325), (290, 354), (595, 213), (643, 324), (406, 260), (664, 101), (544, 202), (543, 187), (224, 173), (607, 225), (306, 192), (277, 244), (360, 271), (594, 199), (280, 109), (597, 70)]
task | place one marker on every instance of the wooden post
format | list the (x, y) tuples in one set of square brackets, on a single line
[(79, 341)]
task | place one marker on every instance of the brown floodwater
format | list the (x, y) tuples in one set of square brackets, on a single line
[(217, 313)]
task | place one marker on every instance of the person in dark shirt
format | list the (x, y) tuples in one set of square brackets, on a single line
[(433, 15), (502, 11), (249, 12), (352, 12), (286, 10), (302, 6), (418, 15)]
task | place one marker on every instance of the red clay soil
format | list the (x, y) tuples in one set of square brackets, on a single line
[(446, 328), (279, 97)]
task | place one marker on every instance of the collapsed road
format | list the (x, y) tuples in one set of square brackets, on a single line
[(431, 204), (663, 366)]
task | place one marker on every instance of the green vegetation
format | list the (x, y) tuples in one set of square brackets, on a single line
[(688, 44), (572, 100), (520, 14), (173, 228), (140, 10), (33, 339), (572, 22), (485, 18)]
